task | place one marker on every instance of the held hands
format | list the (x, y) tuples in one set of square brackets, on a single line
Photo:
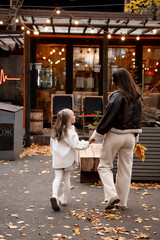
[(91, 140)]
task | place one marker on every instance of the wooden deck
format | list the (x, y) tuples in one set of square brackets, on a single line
[(149, 170)]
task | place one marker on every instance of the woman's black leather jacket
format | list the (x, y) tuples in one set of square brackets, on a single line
[(121, 115)]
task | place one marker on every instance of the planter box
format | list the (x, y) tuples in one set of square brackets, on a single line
[(149, 170)]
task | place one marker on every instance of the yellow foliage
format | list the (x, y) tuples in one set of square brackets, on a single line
[(140, 151)]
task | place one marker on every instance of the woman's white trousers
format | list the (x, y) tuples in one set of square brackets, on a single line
[(123, 144)]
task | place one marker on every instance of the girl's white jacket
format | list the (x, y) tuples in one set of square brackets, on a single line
[(64, 152)]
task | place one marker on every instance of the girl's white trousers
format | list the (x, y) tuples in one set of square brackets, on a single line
[(59, 175), (123, 144)]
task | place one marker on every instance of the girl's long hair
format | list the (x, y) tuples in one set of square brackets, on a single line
[(125, 83), (61, 124)]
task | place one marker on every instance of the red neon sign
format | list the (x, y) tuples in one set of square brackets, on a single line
[(4, 77)]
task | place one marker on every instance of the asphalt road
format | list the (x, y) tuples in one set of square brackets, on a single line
[(25, 210)]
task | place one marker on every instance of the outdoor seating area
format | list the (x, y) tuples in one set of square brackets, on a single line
[(91, 105), (59, 102)]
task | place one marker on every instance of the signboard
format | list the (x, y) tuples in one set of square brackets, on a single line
[(6, 136)]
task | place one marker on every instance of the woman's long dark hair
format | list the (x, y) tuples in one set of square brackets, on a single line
[(125, 83), (61, 124)]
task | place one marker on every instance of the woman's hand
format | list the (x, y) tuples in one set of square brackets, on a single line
[(91, 140)]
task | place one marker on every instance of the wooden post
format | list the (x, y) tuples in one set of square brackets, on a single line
[(139, 56), (27, 89), (69, 68), (105, 68)]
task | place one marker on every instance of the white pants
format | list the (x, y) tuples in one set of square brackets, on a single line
[(123, 144), (59, 175)]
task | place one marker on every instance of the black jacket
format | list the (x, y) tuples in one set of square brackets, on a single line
[(121, 115)]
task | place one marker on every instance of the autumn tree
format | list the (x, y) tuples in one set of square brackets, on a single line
[(149, 7)]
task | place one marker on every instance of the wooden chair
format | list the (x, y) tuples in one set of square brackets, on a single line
[(59, 102), (90, 105)]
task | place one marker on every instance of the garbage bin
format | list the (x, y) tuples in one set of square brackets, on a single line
[(11, 131)]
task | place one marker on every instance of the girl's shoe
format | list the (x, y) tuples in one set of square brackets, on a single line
[(63, 201), (54, 203)]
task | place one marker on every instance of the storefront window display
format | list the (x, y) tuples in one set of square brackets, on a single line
[(53, 72), (120, 57), (85, 77), (151, 68)]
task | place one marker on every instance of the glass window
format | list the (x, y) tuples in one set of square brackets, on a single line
[(120, 57), (45, 78), (53, 72), (85, 74), (151, 68)]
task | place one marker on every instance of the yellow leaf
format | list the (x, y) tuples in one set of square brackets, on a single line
[(76, 231), (139, 220), (140, 151)]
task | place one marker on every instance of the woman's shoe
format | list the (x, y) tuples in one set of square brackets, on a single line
[(110, 204), (54, 204), (121, 207)]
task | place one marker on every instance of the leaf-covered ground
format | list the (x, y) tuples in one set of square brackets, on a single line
[(26, 213)]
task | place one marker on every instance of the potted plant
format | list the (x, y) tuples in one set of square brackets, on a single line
[(93, 126)]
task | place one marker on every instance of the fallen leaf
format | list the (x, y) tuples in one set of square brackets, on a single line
[(139, 220), (66, 226), (141, 235), (83, 193), (76, 231), (23, 234), (155, 219)]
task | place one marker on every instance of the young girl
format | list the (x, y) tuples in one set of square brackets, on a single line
[(64, 143)]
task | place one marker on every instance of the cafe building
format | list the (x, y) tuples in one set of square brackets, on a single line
[(75, 52)]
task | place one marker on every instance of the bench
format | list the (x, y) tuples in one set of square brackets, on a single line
[(149, 170)]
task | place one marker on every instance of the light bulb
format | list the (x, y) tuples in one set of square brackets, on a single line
[(123, 38), (76, 22), (58, 11)]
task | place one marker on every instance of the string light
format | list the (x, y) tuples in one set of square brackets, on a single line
[(76, 22), (123, 38), (36, 32), (58, 11), (92, 30), (48, 20), (57, 61), (149, 50), (28, 32), (62, 50)]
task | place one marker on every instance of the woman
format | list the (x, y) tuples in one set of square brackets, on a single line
[(119, 128)]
